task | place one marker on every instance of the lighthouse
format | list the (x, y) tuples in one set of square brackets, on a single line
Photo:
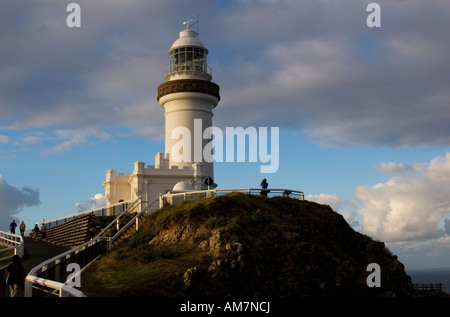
[(188, 97)]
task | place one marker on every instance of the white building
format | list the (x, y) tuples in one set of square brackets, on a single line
[(187, 95)]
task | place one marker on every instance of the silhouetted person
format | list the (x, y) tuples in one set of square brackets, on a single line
[(22, 228), (264, 184), (36, 232), (2, 284), (12, 227), (16, 276), (43, 231)]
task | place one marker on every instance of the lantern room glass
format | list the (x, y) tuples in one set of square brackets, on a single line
[(188, 58)]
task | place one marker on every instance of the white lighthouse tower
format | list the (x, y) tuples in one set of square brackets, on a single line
[(188, 97)]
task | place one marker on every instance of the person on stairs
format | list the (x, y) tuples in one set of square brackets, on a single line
[(43, 231)]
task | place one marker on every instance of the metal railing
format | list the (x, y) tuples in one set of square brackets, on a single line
[(428, 287), (134, 220), (14, 241), (188, 69), (116, 222), (110, 210), (51, 276), (48, 275), (173, 198)]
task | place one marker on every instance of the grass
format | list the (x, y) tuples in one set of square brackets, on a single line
[(5, 254), (169, 242), (122, 270), (155, 253)]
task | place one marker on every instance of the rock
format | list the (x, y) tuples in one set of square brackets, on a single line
[(279, 247)]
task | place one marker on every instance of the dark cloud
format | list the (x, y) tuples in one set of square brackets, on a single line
[(447, 226), (310, 66), (338, 81), (13, 199)]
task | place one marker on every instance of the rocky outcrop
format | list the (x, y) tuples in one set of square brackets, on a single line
[(244, 245)]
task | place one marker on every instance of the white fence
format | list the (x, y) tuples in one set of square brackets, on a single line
[(174, 198), (14, 241), (111, 210), (51, 276)]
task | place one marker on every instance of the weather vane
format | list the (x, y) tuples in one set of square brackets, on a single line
[(190, 24)]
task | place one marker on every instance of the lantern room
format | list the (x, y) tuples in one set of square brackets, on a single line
[(188, 58)]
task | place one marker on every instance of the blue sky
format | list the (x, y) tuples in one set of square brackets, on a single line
[(363, 112)]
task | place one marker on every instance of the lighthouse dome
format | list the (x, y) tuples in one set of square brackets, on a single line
[(182, 186), (187, 38)]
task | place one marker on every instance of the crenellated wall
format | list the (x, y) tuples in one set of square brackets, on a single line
[(151, 180)]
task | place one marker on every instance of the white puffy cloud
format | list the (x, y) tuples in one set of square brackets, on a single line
[(345, 208), (410, 206), (332, 200), (13, 199), (91, 203)]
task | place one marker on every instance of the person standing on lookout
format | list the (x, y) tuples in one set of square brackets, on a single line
[(264, 184), (12, 227), (22, 229)]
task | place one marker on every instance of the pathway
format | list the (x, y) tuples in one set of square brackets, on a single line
[(37, 252)]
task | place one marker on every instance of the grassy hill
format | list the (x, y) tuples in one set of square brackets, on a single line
[(245, 245)]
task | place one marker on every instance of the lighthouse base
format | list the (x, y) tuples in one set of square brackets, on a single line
[(148, 182)]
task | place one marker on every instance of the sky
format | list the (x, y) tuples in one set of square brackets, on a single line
[(363, 112)]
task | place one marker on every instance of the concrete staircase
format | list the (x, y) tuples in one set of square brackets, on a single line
[(76, 231)]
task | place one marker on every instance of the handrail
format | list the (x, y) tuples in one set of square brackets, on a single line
[(119, 217), (16, 243), (185, 68), (248, 190), (33, 278), (134, 219), (49, 223), (184, 195), (62, 288)]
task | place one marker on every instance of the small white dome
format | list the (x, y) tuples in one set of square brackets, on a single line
[(187, 38), (182, 187)]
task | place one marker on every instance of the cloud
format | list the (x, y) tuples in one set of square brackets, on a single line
[(410, 206), (28, 140), (345, 208), (398, 168), (91, 203), (392, 168), (105, 73), (67, 139), (13, 199), (332, 200), (309, 66), (4, 139), (339, 82), (432, 253)]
